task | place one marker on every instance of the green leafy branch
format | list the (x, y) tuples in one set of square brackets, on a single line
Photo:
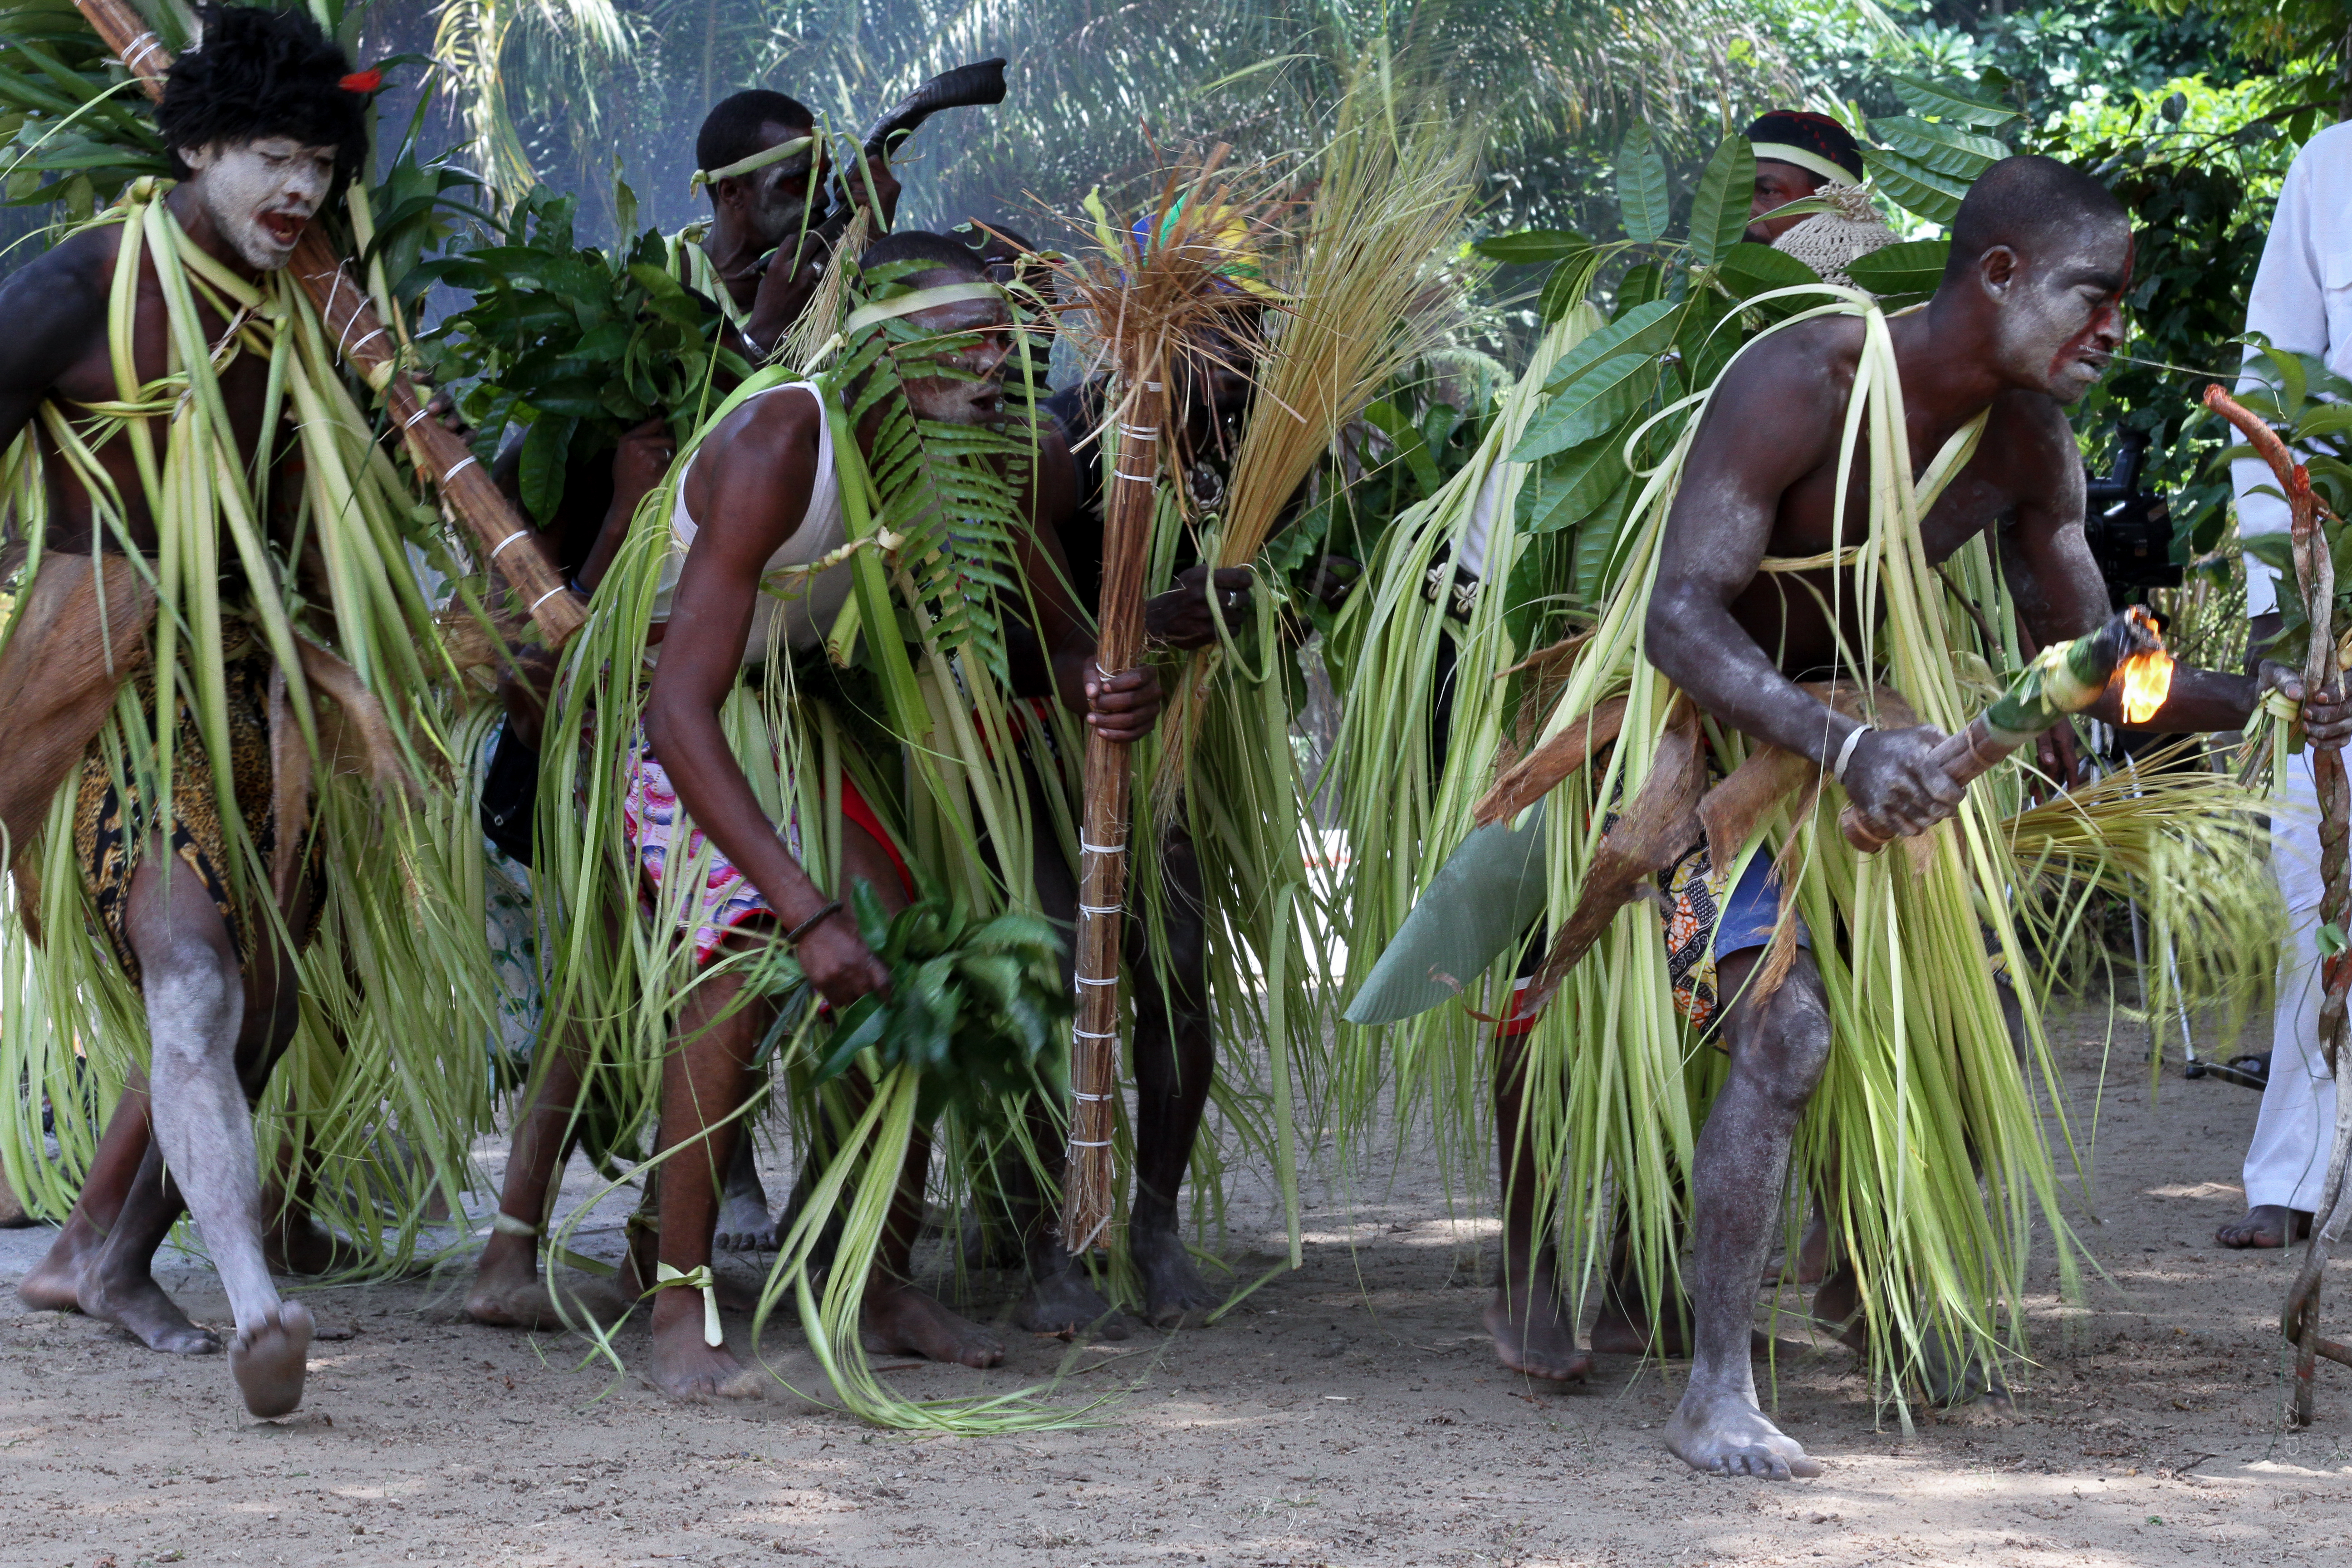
[(978, 1008), (578, 344)]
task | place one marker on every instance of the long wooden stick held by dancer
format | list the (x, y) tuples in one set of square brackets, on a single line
[(2315, 571), (1131, 480), (365, 342)]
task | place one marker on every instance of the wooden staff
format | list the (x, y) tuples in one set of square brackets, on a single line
[(2315, 571), (1131, 484), (367, 344)]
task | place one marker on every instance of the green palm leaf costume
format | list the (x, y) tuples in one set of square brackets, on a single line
[(218, 735)]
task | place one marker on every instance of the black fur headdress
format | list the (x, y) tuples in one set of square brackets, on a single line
[(264, 73)]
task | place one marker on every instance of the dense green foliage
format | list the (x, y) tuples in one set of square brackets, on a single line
[(977, 1006), (577, 343), (2312, 407)]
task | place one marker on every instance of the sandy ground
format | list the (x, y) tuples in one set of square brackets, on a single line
[(1349, 1413)]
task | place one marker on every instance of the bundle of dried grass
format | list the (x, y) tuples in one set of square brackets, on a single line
[(1388, 194), (1142, 301)]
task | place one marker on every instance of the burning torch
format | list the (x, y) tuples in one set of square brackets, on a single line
[(2064, 678)]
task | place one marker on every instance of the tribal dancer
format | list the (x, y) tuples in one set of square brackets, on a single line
[(764, 169), (1805, 157), (760, 562), (150, 373), (2025, 321)]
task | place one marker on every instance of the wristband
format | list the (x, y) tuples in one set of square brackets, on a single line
[(831, 908), (1845, 753)]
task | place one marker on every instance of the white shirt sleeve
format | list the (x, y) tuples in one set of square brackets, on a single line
[(2288, 306)]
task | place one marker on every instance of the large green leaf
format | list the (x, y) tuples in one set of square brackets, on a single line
[(1640, 286), (1947, 101), (1748, 270), (1568, 489), (1596, 545), (1599, 400), (541, 469), (1532, 245), (1643, 330), (1570, 282), (1479, 902), (1641, 187), (1913, 187), (1901, 273), (1943, 149), (1703, 348), (1726, 191)]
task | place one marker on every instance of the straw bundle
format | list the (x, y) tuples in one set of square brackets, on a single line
[(1392, 188)]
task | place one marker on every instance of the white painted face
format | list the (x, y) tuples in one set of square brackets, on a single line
[(2062, 319), (260, 195)]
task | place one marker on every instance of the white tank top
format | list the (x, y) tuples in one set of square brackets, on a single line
[(807, 603)]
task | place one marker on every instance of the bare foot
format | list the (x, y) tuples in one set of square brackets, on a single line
[(988, 1246), (54, 1284), (2263, 1227), (1174, 1294), (635, 1285), (1534, 1334), (1623, 1328), (901, 1320), (1837, 1307), (136, 1303), (299, 1245), (1953, 1375), (507, 1292), (1725, 1435), (1060, 1299), (683, 1366), (267, 1359), (745, 1224)]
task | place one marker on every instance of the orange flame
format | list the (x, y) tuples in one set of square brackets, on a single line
[(2147, 679)]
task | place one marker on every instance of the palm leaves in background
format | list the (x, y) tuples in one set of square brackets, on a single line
[(557, 89)]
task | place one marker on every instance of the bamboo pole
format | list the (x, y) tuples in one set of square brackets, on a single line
[(366, 344), (1131, 482), (2314, 572)]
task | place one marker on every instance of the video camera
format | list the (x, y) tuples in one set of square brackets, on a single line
[(2129, 530)]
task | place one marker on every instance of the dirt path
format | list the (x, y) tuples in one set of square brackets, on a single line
[(1349, 1413)]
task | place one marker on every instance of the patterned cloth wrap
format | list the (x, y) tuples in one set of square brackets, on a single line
[(114, 819), (1701, 925), (656, 826)]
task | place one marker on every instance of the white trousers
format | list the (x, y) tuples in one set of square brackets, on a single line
[(2287, 1160)]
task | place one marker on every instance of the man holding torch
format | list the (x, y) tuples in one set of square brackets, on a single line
[(2026, 320)]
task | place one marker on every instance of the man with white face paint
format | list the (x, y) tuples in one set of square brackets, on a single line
[(2026, 320), (264, 125)]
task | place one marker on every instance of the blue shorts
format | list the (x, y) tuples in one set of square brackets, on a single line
[(1700, 933)]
